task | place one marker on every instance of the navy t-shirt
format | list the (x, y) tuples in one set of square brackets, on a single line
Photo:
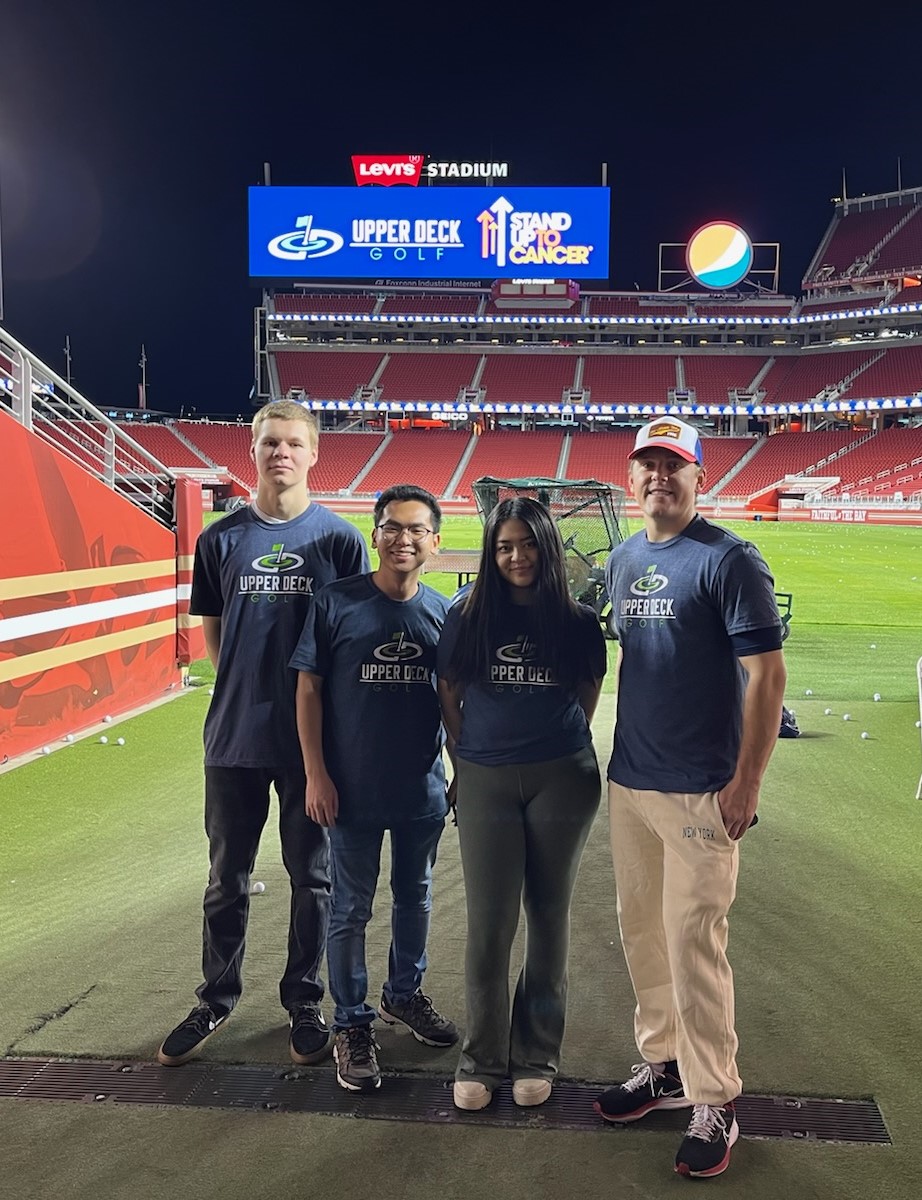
[(676, 605), (519, 714), (260, 578), (382, 729)]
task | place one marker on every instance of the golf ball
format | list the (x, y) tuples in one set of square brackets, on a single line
[(828, 712), (877, 696), (846, 716), (257, 888), (104, 740), (107, 719), (873, 645), (46, 749), (808, 691), (120, 741), (68, 737), (865, 736), (211, 691)]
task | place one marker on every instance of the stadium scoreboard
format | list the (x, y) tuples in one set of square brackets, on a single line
[(446, 233)]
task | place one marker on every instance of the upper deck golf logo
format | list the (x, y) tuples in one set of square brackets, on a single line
[(305, 241), (520, 651), (278, 560), (649, 583), (399, 649)]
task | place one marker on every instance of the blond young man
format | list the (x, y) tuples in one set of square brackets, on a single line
[(700, 684), (255, 576)]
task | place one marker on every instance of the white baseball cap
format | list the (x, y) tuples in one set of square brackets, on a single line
[(671, 434)]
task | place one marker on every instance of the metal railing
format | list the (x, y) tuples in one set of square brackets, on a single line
[(46, 404)]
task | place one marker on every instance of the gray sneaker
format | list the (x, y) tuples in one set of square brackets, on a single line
[(355, 1055), (419, 1016)]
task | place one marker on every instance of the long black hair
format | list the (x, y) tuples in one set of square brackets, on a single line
[(554, 615)]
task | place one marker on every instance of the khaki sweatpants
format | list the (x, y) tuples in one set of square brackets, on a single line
[(675, 871)]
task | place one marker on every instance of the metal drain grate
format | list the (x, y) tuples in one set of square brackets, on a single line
[(402, 1098)]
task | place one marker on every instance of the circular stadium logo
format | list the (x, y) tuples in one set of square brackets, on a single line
[(719, 254)]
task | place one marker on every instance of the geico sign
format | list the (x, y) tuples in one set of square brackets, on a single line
[(386, 169)]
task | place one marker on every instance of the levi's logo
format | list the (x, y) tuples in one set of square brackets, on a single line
[(386, 169)]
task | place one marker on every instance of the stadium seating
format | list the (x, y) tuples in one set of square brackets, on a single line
[(712, 375), (882, 459), (630, 378), (500, 453), (163, 443), (423, 456), (420, 376), (855, 234), (533, 377), (223, 445), (326, 374), (785, 454), (299, 303), (794, 379), (601, 454), (898, 373), (439, 305)]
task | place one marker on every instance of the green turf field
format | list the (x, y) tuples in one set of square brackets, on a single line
[(103, 861)]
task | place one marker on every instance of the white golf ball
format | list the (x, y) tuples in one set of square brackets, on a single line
[(107, 720), (211, 691), (104, 740), (918, 724), (808, 691), (120, 741), (876, 696), (257, 888), (69, 737), (46, 749), (828, 712), (873, 645), (865, 736), (846, 716)]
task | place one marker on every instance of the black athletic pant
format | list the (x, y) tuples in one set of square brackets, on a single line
[(236, 811)]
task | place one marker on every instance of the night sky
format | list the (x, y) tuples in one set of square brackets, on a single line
[(129, 133)]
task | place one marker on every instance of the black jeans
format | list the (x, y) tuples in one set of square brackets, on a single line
[(236, 811)]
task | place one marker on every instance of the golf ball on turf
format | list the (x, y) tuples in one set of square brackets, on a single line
[(846, 716), (877, 696), (808, 691), (120, 741), (828, 712), (104, 740), (865, 736), (107, 719), (873, 645), (257, 888)]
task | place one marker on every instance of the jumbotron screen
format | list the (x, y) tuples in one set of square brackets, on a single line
[(445, 232)]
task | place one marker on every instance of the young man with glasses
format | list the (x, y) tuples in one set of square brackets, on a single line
[(366, 663)]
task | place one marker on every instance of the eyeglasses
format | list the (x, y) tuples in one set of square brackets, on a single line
[(391, 531)]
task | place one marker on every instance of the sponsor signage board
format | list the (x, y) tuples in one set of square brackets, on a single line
[(442, 233), (388, 169)]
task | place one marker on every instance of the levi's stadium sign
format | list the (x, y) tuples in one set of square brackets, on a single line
[(445, 233), (387, 169)]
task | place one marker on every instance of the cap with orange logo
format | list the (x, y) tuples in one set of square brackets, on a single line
[(672, 435)]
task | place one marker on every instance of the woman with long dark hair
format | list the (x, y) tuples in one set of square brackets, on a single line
[(520, 668)]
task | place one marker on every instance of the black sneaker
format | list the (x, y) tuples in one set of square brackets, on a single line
[(189, 1036), (309, 1037), (355, 1055), (705, 1149), (653, 1085), (418, 1015)]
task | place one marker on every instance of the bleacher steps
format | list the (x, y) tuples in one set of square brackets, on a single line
[(459, 469), (385, 442)]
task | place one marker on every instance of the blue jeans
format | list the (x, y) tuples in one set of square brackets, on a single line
[(355, 865)]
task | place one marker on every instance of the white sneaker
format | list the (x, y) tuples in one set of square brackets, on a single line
[(529, 1092), (470, 1095)]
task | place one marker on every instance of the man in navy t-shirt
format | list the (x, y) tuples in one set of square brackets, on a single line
[(366, 686), (700, 683), (255, 576)]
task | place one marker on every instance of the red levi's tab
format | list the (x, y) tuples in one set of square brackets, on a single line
[(385, 169)]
